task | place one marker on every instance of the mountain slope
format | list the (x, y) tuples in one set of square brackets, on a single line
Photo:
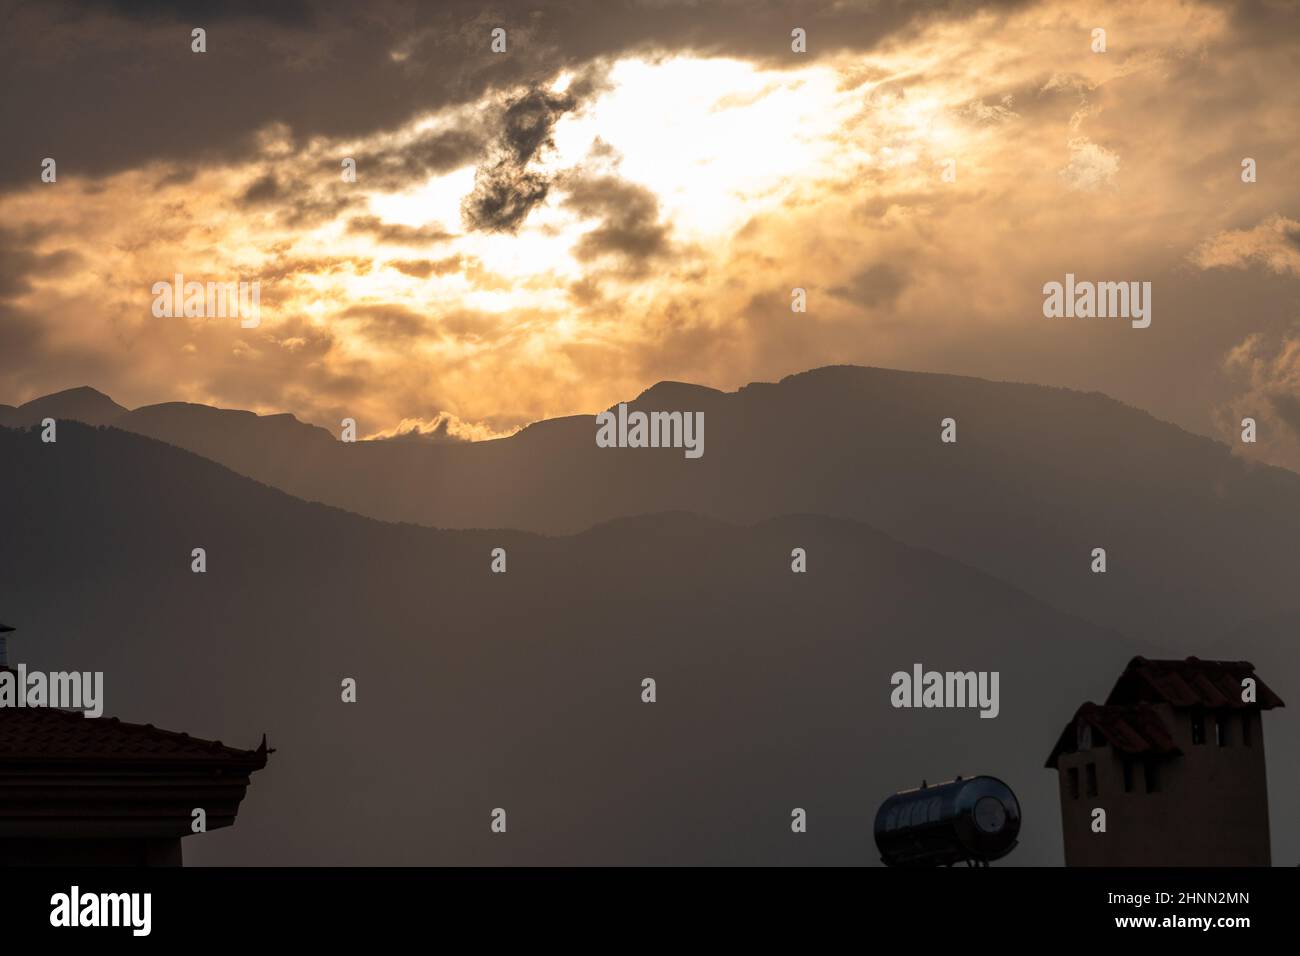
[(82, 404), (522, 690), (1198, 540), (272, 448)]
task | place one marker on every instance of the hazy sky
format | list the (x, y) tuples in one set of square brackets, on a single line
[(631, 191)]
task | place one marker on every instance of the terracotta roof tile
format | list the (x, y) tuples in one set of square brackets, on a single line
[(1190, 683), (1134, 729), (30, 734), (1129, 722)]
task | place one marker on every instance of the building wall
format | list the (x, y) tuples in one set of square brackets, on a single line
[(1211, 808)]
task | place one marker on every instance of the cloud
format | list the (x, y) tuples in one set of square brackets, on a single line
[(505, 190), (717, 184), (443, 429), (630, 228), (397, 233), (877, 284), (1091, 165), (120, 88), (1273, 243), (389, 323), (435, 152), (992, 112), (288, 12), (19, 263), (284, 268), (264, 189), (299, 198), (1267, 368), (469, 325), (423, 268), (504, 194)]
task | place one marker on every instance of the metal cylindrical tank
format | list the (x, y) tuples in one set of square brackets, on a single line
[(961, 821)]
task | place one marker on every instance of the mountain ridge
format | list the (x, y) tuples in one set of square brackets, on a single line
[(1038, 478), (774, 686), (660, 387)]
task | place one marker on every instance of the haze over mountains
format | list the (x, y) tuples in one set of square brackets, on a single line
[(522, 690), (1198, 541)]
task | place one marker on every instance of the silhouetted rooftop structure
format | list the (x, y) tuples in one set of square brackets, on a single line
[(1130, 728), (79, 790), (1128, 720), (1190, 683), (1175, 761)]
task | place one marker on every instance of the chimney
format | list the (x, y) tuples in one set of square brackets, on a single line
[(5, 629)]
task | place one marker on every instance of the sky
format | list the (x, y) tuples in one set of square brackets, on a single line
[(630, 193)]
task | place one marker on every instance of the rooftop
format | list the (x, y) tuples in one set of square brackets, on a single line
[(1128, 720), (1134, 729), (1190, 683), (48, 735)]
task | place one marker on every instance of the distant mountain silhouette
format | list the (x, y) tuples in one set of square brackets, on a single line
[(522, 690), (1198, 541), (275, 446), (82, 404)]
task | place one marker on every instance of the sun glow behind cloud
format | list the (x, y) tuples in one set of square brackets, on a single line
[(712, 161), (714, 143), (687, 196), (717, 141)]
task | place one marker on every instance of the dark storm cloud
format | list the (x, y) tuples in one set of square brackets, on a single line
[(630, 230), (106, 86), (503, 196), (505, 190), (529, 121), (103, 92)]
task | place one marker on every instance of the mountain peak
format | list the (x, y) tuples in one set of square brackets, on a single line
[(83, 404), (79, 393), (676, 393)]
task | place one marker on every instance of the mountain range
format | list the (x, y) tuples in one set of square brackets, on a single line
[(522, 690), (1198, 540)]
